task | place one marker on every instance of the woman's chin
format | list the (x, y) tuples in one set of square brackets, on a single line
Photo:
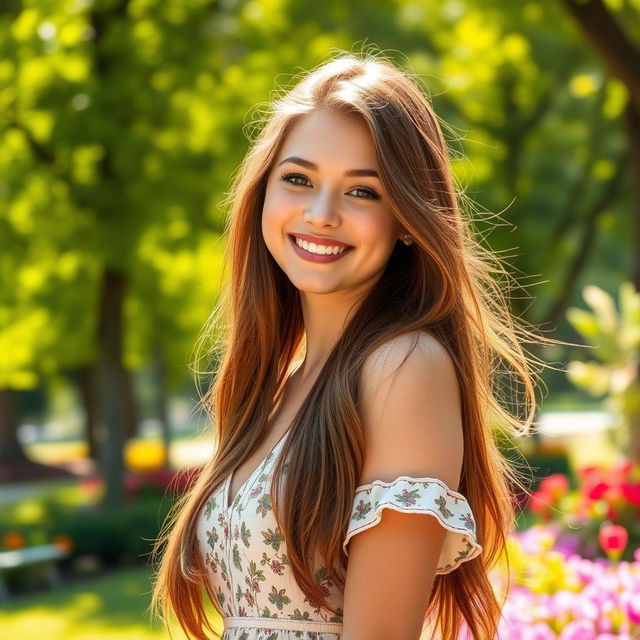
[(313, 285)]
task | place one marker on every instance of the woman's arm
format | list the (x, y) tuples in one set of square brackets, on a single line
[(413, 427)]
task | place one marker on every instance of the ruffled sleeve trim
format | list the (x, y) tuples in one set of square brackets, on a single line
[(419, 495)]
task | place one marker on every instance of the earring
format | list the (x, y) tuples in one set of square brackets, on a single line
[(408, 239)]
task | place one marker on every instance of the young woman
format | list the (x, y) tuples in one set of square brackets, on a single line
[(357, 491)]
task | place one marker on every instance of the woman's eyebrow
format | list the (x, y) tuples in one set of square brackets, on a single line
[(314, 167)]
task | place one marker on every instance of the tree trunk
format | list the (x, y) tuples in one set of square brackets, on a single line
[(131, 408), (10, 447), (632, 121), (110, 380), (610, 41), (162, 413), (85, 377)]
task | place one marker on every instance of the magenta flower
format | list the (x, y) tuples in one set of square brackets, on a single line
[(631, 606)]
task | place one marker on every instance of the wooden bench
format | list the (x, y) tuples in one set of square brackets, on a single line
[(45, 555)]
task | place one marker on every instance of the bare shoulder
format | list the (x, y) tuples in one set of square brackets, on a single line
[(415, 350), (409, 402)]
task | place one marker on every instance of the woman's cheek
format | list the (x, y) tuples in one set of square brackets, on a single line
[(279, 206)]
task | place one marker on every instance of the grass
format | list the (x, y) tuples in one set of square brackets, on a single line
[(111, 607)]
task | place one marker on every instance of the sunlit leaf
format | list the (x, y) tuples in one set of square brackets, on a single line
[(590, 376), (603, 305)]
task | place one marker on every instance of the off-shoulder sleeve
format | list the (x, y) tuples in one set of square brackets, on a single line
[(419, 495)]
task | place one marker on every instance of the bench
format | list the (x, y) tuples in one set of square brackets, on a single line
[(45, 555)]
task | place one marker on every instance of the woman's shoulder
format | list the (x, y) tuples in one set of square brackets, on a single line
[(419, 349), (410, 406)]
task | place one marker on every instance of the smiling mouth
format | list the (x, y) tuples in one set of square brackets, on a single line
[(311, 256), (318, 249)]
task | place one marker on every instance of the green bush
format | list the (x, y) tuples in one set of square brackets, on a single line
[(120, 536)]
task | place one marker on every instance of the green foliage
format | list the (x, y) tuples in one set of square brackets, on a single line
[(614, 335), (122, 122), (118, 536)]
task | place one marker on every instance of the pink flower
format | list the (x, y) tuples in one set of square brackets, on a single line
[(541, 502), (613, 540), (584, 472), (631, 606), (557, 485), (578, 630), (538, 631), (623, 466)]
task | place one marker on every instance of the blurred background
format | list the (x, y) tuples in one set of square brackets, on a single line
[(121, 124)]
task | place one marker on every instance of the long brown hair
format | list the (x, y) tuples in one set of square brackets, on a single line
[(445, 283)]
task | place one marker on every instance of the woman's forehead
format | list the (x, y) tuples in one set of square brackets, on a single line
[(331, 138)]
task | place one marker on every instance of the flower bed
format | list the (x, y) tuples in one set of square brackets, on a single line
[(604, 496), (558, 595)]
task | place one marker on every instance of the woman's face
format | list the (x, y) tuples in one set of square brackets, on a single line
[(324, 185)]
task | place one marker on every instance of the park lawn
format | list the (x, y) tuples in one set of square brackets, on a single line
[(112, 607)]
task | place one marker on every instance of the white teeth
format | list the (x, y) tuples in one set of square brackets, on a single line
[(318, 249)]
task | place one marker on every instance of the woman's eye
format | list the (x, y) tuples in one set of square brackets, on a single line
[(366, 193), (295, 178), (301, 180)]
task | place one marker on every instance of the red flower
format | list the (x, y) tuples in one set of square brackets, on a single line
[(631, 492), (597, 490), (613, 540)]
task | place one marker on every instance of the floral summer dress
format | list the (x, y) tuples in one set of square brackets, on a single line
[(246, 555)]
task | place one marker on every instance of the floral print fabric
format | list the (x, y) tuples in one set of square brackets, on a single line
[(419, 495), (246, 556)]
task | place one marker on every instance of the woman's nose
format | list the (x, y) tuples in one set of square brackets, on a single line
[(322, 209)]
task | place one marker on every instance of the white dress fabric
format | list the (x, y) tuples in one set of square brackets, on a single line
[(246, 555)]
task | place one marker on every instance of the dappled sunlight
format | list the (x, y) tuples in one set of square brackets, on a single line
[(104, 608)]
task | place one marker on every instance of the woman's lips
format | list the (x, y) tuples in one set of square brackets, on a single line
[(314, 257)]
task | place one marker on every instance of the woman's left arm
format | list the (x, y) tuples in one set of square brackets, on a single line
[(411, 409)]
